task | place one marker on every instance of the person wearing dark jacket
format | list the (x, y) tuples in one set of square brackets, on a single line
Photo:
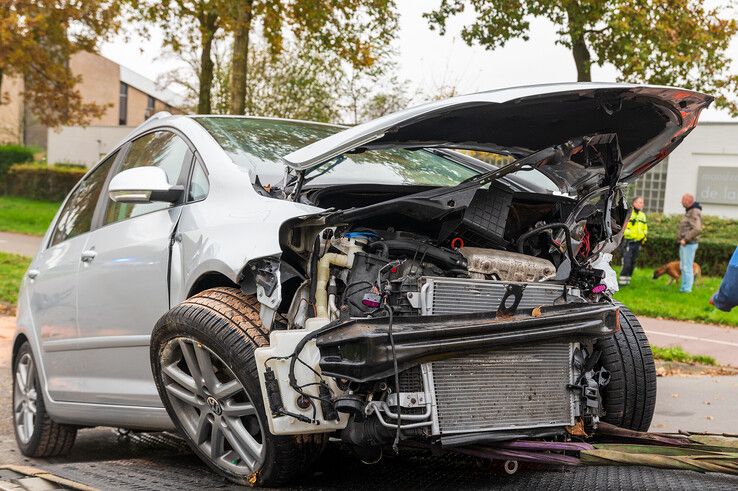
[(633, 238), (687, 237), (727, 296)]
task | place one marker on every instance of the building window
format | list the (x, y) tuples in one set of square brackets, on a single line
[(123, 105), (150, 101), (652, 186)]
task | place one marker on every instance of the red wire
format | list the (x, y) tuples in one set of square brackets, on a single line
[(585, 248)]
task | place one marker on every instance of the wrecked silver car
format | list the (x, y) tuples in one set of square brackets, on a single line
[(381, 285)]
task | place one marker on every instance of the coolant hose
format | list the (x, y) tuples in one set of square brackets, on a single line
[(321, 282)]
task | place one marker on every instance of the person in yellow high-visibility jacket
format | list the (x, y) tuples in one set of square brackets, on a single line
[(633, 238)]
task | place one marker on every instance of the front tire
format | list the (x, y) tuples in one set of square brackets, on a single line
[(630, 397), (36, 434), (202, 356)]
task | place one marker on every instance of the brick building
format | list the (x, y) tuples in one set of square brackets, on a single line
[(130, 98)]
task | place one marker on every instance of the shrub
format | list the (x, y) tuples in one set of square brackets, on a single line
[(72, 165), (712, 255), (14, 154), (43, 182), (713, 228)]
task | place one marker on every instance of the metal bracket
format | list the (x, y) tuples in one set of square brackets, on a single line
[(267, 278), (512, 290), (407, 399)]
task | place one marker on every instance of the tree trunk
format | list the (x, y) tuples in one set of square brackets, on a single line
[(582, 58), (206, 69), (239, 63)]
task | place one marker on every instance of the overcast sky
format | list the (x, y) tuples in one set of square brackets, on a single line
[(430, 61)]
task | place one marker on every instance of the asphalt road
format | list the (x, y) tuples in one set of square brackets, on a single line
[(697, 404), (701, 339), (25, 245)]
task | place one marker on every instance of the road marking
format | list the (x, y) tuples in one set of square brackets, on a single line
[(693, 338)]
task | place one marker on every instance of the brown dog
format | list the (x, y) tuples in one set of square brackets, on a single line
[(672, 269)]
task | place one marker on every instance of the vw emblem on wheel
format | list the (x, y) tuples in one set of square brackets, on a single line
[(214, 405)]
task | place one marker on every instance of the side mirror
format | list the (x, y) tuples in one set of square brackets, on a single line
[(143, 185)]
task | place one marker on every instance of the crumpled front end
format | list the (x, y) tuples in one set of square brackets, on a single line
[(460, 314), (483, 360)]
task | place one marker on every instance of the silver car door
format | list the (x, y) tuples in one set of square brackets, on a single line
[(52, 285), (124, 282)]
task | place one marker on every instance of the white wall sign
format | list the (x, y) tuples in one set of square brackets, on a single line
[(718, 185)]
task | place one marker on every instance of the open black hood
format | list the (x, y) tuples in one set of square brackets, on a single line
[(649, 122)]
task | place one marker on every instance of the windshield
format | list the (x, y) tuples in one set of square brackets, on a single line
[(258, 144)]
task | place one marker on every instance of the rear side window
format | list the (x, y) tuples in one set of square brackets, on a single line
[(161, 149), (76, 216)]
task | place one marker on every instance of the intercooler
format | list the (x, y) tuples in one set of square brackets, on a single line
[(506, 389)]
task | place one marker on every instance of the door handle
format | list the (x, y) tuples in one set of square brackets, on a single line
[(32, 273), (88, 255)]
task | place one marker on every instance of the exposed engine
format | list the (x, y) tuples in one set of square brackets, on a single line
[(454, 316), (390, 278), (361, 272)]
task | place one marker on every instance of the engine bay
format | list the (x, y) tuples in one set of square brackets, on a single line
[(361, 272), (379, 308), (371, 314)]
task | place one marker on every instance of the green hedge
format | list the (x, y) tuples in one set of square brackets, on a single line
[(14, 154), (42, 182), (712, 256), (713, 228), (718, 240)]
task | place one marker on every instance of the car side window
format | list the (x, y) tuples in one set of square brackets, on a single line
[(199, 185), (76, 216), (161, 149)]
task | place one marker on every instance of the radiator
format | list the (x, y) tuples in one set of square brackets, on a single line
[(507, 389), (460, 296), (522, 387)]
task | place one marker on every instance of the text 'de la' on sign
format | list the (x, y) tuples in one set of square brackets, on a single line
[(718, 185)]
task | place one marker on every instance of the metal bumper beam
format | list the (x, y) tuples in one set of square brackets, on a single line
[(360, 349)]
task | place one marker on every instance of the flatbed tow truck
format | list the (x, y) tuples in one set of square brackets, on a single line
[(619, 459)]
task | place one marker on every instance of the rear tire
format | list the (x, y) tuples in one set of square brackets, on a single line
[(36, 433), (630, 397), (223, 325)]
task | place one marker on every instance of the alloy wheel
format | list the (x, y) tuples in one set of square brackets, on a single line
[(24, 398), (213, 406)]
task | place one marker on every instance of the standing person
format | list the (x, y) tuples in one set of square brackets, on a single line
[(727, 296), (687, 236), (634, 237)]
